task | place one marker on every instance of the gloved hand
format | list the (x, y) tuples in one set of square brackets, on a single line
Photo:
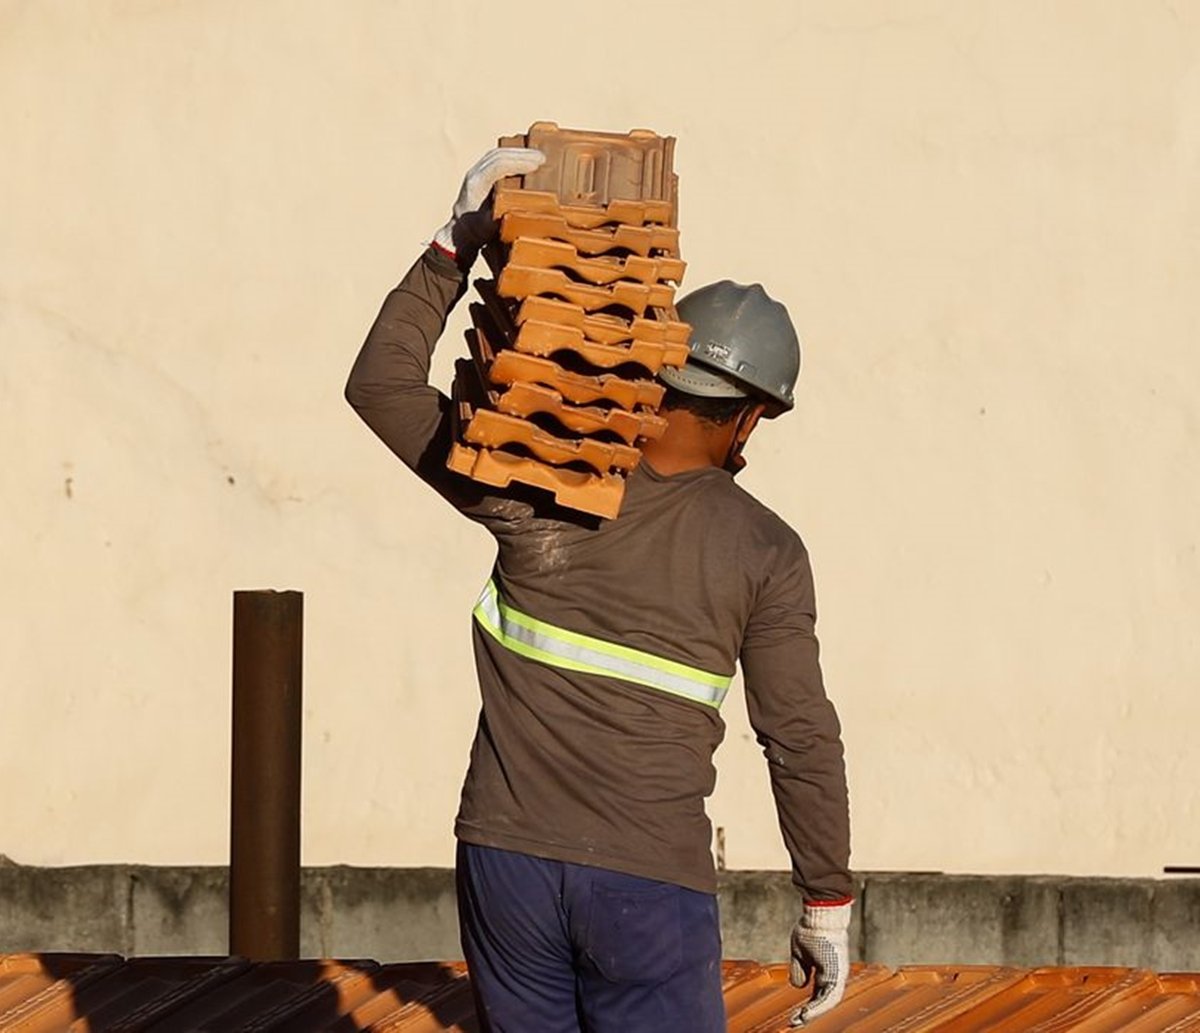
[(471, 224), (821, 952)]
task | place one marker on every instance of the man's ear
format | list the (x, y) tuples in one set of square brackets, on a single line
[(750, 422)]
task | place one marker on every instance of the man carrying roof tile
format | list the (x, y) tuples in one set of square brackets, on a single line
[(603, 648)]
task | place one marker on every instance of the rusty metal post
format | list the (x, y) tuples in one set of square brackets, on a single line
[(264, 862)]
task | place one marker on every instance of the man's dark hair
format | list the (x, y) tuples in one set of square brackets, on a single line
[(711, 410)]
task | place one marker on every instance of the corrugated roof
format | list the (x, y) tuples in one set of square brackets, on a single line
[(89, 993)]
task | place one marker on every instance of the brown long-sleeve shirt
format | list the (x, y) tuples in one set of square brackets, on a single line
[(590, 768)]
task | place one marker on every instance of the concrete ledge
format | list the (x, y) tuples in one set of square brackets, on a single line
[(758, 910), (179, 910), (65, 909), (1155, 922), (923, 919), (402, 914), (408, 914)]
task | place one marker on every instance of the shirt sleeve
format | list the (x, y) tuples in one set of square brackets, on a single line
[(798, 729), (389, 383)]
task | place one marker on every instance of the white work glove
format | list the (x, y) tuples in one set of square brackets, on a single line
[(821, 953), (471, 224)]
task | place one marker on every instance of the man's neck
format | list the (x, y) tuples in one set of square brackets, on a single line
[(687, 444)]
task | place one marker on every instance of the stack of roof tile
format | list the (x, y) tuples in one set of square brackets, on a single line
[(560, 390)]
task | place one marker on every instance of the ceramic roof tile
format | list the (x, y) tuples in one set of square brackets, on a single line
[(1167, 1002), (662, 325), (640, 240), (542, 330), (598, 494), (916, 999), (540, 253), (524, 399), (36, 988), (1059, 996), (509, 367), (276, 996), (492, 429), (72, 992), (586, 167), (509, 197), (518, 281)]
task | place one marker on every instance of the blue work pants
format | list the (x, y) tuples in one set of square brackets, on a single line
[(554, 947)]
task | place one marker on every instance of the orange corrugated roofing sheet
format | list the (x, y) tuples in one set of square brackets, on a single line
[(52, 993)]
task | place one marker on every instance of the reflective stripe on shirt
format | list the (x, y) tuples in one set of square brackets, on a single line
[(557, 647)]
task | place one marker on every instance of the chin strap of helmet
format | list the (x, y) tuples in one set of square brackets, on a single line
[(735, 462)]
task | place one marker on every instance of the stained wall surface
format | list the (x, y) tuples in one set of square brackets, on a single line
[(983, 217)]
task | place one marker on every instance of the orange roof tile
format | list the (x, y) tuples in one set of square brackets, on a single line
[(51, 993)]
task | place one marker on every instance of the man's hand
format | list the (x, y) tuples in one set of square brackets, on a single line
[(471, 224), (821, 953)]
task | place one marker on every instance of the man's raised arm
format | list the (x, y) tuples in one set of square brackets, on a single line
[(389, 382)]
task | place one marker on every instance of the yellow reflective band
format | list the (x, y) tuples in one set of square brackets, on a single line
[(536, 640)]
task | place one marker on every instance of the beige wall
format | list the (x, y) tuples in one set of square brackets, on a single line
[(984, 218)]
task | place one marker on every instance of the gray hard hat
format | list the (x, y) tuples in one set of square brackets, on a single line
[(743, 344)]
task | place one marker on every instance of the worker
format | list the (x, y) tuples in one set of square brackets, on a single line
[(585, 878)]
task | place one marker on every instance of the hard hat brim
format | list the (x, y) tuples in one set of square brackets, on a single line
[(694, 379)]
